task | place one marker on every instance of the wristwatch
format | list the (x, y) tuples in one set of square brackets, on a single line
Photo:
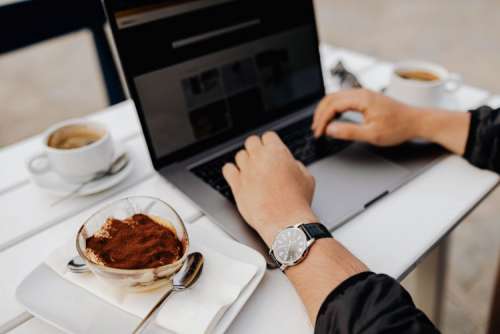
[(292, 244)]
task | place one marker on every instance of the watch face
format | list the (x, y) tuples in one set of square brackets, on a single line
[(289, 245)]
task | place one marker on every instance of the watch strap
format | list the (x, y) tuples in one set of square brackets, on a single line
[(316, 231)]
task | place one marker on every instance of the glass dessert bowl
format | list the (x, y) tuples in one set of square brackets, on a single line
[(136, 243)]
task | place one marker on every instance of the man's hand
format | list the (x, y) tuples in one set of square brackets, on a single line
[(388, 122), (272, 189)]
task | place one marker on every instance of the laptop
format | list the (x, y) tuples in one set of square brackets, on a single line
[(206, 74)]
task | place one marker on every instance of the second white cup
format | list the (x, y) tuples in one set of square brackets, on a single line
[(422, 93)]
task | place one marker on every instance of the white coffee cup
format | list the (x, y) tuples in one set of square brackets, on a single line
[(422, 93), (75, 165)]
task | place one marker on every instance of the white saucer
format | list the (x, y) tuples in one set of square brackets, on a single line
[(72, 309), (449, 101), (51, 182)]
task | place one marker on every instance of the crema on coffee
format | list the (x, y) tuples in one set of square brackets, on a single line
[(419, 75), (74, 136)]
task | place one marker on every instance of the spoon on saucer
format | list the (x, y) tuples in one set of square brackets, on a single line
[(186, 277), (116, 167), (77, 265)]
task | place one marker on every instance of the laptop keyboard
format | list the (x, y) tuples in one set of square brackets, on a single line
[(299, 139)]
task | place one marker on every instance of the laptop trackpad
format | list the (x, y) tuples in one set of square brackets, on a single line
[(351, 179)]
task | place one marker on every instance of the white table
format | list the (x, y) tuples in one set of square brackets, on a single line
[(391, 237)]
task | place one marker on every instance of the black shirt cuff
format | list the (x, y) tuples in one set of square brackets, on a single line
[(371, 303), (471, 138)]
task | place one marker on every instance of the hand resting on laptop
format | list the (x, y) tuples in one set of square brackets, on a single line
[(272, 191), (388, 122)]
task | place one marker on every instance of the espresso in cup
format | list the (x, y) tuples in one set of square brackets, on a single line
[(77, 150), (418, 75), (74, 136)]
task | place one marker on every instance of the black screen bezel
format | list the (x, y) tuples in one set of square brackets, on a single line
[(161, 162)]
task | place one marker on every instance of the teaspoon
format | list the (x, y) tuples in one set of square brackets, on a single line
[(186, 277), (77, 265)]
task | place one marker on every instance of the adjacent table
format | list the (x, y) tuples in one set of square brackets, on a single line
[(391, 237)]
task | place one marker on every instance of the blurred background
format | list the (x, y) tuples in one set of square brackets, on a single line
[(61, 79)]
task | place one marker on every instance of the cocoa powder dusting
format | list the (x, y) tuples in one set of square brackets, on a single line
[(137, 242)]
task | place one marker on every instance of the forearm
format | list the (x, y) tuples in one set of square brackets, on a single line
[(446, 128), (334, 282), (327, 265)]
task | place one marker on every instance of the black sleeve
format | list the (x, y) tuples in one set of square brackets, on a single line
[(483, 144), (370, 303)]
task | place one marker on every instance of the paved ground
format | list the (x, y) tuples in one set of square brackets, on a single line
[(460, 34), (60, 80), (48, 83)]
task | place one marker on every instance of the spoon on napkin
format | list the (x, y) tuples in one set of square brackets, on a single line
[(186, 277)]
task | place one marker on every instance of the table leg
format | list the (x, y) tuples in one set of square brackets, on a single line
[(494, 326), (430, 282)]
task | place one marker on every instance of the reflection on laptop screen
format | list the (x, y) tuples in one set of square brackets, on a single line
[(208, 70)]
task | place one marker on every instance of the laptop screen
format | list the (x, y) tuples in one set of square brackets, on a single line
[(204, 71)]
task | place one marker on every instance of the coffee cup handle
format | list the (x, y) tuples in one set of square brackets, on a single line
[(38, 164), (453, 83)]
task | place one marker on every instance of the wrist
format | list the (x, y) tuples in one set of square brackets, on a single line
[(422, 121), (272, 227), (446, 128)]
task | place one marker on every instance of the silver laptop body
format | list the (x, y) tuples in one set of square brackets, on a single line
[(206, 74)]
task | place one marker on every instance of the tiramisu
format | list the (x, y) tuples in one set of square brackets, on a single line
[(137, 242)]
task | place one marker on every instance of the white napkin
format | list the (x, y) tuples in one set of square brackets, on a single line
[(196, 310)]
